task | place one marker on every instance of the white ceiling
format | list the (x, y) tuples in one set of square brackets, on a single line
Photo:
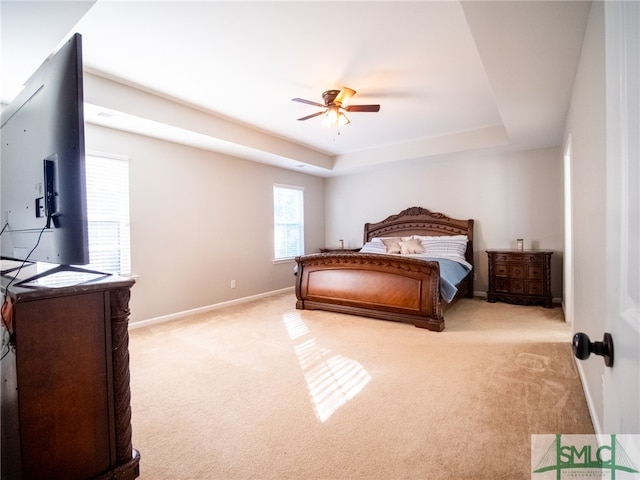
[(450, 76)]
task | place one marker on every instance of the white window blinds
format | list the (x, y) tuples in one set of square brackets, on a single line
[(107, 180), (288, 209)]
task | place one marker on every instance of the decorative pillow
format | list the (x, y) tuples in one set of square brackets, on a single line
[(382, 239), (392, 244), (411, 246), (373, 247), (444, 246)]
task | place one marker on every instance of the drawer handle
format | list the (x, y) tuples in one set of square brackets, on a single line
[(583, 347)]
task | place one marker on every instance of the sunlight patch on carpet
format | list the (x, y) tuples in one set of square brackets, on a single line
[(295, 325), (332, 379)]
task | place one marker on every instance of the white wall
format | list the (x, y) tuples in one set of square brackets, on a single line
[(509, 195), (201, 219), (587, 126)]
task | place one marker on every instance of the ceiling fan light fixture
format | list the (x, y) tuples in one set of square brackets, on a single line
[(344, 96), (343, 120), (331, 117), (334, 116)]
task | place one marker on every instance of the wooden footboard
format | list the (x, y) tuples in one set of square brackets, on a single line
[(372, 285)]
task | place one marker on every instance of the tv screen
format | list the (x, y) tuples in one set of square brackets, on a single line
[(43, 198)]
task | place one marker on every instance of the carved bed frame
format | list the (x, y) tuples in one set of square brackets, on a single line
[(387, 287)]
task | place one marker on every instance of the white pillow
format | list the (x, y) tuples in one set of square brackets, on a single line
[(444, 246), (382, 239), (373, 247)]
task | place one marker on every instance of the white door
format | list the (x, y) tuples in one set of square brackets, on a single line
[(621, 384)]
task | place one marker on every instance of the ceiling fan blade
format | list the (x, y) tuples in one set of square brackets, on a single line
[(362, 108), (345, 94), (312, 115), (308, 102)]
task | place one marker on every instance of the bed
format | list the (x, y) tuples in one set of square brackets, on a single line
[(380, 281)]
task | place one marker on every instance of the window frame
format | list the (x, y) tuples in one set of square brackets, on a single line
[(299, 223), (124, 220)]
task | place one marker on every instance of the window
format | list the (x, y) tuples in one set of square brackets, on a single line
[(107, 179), (288, 226)]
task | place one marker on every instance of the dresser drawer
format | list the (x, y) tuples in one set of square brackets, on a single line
[(531, 259), (535, 271), (518, 271), (502, 284), (517, 286), (501, 270), (503, 257), (535, 287), (517, 257)]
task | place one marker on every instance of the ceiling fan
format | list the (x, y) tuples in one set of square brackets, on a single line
[(335, 104)]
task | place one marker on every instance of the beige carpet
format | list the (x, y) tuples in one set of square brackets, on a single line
[(265, 391)]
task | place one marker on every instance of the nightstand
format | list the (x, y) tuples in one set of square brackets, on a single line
[(520, 277), (339, 250)]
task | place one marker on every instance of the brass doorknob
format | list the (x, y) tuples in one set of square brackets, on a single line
[(583, 347)]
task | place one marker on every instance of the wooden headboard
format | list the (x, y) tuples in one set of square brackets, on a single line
[(420, 221)]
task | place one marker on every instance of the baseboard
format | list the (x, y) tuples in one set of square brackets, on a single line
[(595, 420), (207, 308)]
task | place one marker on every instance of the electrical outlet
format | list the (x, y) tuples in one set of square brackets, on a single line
[(233, 284)]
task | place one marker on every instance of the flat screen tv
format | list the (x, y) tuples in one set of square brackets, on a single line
[(43, 198)]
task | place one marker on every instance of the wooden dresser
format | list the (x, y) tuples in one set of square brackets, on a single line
[(520, 277), (65, 383)]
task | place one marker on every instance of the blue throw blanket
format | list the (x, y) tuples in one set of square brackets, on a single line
[(451, 273)]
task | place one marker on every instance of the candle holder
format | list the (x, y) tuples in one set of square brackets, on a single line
[(520, 244)]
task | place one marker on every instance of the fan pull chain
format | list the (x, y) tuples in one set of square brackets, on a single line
[(338, 131)]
